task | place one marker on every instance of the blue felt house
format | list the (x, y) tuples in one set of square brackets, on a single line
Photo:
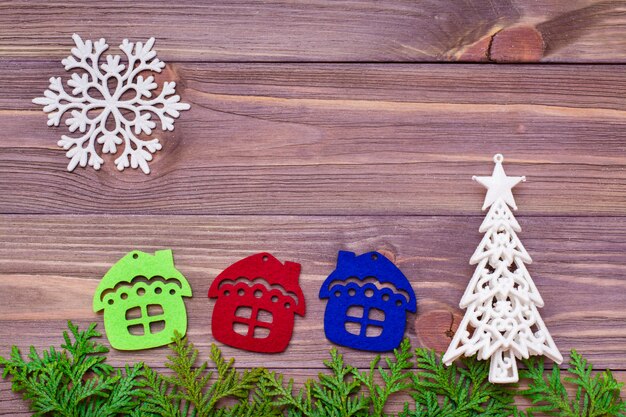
[(368, 297)]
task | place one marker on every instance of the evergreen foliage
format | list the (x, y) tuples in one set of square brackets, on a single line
[(594, 396), (75, 381), (453, 391), (193, 392)]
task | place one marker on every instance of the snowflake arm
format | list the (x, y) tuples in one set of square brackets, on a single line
[(111, 94)]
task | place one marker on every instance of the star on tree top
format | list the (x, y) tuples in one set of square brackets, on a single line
[(499, 185)]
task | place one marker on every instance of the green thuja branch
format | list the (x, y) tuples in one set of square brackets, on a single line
[(453, 391), (337, 394), (394, 379), (75, 381), (594, 396), (192, 391), (296, 405)]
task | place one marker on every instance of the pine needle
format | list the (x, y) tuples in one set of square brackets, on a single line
[(595, 395), (75, 381), (192, 391)]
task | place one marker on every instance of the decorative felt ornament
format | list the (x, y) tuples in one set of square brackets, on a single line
[(142, 298), (501, 321), (257, 300), (111, 104), (368, 300)]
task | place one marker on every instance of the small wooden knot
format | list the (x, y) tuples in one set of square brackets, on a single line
[(436, 328), (388, 254), (476, 52), (517, 44)]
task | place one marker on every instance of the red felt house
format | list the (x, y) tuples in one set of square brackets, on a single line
[(257, 300)]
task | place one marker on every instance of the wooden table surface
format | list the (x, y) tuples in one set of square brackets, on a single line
[(321, 126)]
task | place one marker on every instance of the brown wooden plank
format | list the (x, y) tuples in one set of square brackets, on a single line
[(394, 30), (340, 139), (50, 266)]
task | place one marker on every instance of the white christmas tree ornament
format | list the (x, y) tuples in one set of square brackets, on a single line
[(111, 104), (501, 321)]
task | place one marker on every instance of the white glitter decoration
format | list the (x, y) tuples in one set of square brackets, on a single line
[(101, 94), (501, 321)]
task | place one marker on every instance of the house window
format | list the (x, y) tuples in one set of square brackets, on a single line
[(253, 322), (145, 319), (365, 321)]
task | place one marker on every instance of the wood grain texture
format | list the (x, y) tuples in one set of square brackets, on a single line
[(49, 269), (325, 125), (340, 140), (394, 30)]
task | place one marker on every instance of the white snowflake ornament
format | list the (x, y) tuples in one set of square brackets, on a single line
[(502, 322), (110, 104)]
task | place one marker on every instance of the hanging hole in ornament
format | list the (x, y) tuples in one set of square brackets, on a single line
[(135, 255), (398, 303), (141, 291), (374, 257), (385, 297), (498, 158), (351, 292), (265, 258), (258, 293), (241, 292)]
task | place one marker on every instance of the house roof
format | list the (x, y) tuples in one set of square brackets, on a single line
[(140, 264), (264, 265), (368, 265)]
